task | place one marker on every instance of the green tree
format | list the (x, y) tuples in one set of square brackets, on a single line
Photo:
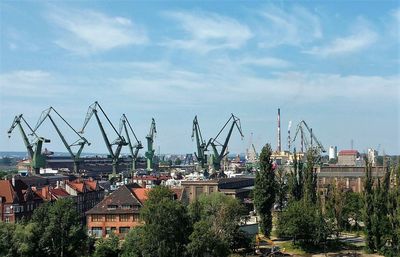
[(7, 246), (265, 190), (216, 230), (107, 247), (394, 214), (369, 207), (166, 226), (61, 233), (296, 179), (334, 205), (352, 209), (134, 243), (310, 176), (282, 187), (178, 161)]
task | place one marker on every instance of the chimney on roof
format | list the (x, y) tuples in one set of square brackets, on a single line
[(13, 181), (279, 149)]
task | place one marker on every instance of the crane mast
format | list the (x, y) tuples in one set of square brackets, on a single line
[(119, 142), (201, 144), (34, 149), (150, 149), (219, 155), (134, 149), (81, 142), (305, 144)]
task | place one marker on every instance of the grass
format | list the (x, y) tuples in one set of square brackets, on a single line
[(307, 249)]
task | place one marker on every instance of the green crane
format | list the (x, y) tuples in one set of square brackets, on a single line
[(81, 142), (38, 160), (219, 155), (134, 148), (119, 142), (201, 144), (150, 150)]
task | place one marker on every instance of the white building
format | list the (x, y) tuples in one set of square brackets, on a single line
[(372, 156), (332, 152)]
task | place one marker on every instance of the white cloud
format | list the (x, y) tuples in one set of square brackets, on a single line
[(361, 38), (88, 31), (294, 27), (270, 62), (209, 31)]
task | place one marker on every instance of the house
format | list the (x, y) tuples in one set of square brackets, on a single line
[(348, 158), (17, 200), (118, 212)]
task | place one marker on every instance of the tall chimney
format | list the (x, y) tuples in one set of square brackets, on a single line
[(279, 131)]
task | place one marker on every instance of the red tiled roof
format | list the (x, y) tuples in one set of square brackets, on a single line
[(92, 184), (141, 194), (7, 191), (59, 192), (348, 152)]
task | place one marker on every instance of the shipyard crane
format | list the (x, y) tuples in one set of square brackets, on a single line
[(150, 140), (133, 148), (119, 141), (81, 141), (301, 127), (34, 149), (201, 144), (219, 155)]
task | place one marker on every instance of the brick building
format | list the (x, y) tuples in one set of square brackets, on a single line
[(17, 200), (348, 157), (118, 212)]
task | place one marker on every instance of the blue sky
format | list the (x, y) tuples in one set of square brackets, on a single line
[(334, 64)]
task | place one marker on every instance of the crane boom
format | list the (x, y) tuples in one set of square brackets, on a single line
[(80, 142), (304, 141), (38, 160), (134, 149), (150, 140), (120, 141), (201, 144), (219, 155)]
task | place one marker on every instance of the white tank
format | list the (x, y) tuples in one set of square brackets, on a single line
[(332, 152)]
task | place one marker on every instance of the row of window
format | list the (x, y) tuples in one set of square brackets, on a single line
[(98, 231), (124, 207), (113, 217)]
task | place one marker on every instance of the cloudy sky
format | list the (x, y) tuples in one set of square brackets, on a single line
[(335, 65)]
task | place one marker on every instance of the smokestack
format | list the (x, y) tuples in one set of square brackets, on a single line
[(279, 131)]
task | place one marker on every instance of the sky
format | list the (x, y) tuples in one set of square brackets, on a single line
[(334, 64)]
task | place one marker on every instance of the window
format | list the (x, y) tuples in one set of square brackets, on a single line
[(112, 207), (123, 230), (7, 220), (110, 230), (135, 217), (124, 217), (199, 191), (97, 231), (126, 206), (111, 217), (97, 217), (8, 209)]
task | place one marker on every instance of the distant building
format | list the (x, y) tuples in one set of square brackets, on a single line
[(348, 157), (17, 200), (372, 156), (236, 187), (149, 181), (332, 152), (118, 212)]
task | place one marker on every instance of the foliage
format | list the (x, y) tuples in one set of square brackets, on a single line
[(59, 230), (303, 222), (352, 210), (166, 226), (296, 179), (7, 246), (265, 190), (107, 247), (310, 176), (282, 187), (216, 228), (133, 244), (334, 205)]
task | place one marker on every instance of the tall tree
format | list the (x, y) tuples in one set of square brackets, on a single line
[(61, 233), (310, 176), (368, 206), (295, 179), (265, 190), (282, 187), (166, 226), (108, 247)]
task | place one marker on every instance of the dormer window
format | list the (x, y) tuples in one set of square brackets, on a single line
[(126, 206), (111, 207)]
